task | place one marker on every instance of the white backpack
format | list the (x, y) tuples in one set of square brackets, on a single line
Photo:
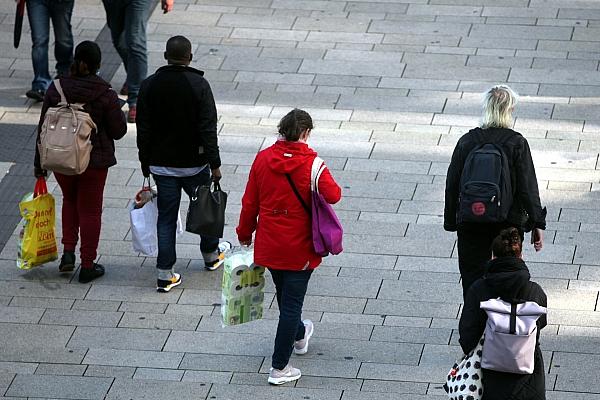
[(510, 335)]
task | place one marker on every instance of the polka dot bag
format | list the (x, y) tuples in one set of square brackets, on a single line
[(464, 378)]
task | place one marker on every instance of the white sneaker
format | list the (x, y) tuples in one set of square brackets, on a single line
[(301, 346), (281, 376)]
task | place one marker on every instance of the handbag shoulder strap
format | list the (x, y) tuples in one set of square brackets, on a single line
[(316, 170), (289, 178)]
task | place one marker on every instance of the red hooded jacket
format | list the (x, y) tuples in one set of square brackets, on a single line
[(283, 230)]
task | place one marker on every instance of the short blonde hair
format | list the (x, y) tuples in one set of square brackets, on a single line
[(498, 104)]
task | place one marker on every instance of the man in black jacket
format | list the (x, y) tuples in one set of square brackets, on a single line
[(177, 143), (526, 213)]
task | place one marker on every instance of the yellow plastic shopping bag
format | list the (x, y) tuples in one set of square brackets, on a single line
[(37, 241)]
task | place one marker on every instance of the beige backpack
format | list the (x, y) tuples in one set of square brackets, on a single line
[(65, 139)]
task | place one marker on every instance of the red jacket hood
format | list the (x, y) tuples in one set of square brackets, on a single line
[(284, 157)]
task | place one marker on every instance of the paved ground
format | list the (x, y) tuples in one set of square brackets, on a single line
[(391, 86)]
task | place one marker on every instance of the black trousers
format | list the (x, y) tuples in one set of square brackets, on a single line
[(475, 249)]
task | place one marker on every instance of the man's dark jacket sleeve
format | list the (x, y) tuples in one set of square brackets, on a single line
[(207, 124), (527, 188), (143, 130), (452, 189)]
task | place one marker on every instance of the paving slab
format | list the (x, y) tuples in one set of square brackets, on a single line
[(65, 387)]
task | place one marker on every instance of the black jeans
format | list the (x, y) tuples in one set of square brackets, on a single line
[(291, 288), (475, 250)]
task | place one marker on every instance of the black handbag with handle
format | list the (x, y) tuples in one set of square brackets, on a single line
[(206, 214)]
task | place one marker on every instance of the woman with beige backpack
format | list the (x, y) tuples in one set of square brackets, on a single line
[(82, 186)]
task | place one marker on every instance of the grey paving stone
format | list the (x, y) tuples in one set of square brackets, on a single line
[(403, 334), (96, 305), (256, 21), (225, 343), (158, 374), (420, 291), (329, 383), (60, 369), (109, 371), (332, 24), (66, 387), (404, 373), (232, 392), (130, 293), (159, 321), (118, 338), (17, 368), (42, 289), (207, 376), (22, 315), (143, 389), (127, 306), (370, 385), (354, 68), (391, 103), (81, 317), (334, 304), (221, 362), (133, 358)]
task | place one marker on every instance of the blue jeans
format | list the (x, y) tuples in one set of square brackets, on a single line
[(127, 22), (291, 288), (168, 200), (40, 12)]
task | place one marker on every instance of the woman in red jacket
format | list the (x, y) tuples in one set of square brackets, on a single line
[(283, 242)]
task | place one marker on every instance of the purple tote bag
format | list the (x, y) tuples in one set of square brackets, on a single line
[(327, 231)]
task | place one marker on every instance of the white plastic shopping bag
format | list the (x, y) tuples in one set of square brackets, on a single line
[(143, 228)]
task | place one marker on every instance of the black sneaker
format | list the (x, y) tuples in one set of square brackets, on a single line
[(67, 262), (37, 95), (89, 274), (163, 286)]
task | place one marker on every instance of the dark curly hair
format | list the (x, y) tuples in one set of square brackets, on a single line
[(508, 243), (293, 124)]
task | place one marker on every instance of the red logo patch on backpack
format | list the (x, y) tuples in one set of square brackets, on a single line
[(478, 208)]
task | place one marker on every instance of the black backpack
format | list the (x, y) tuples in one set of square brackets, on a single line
[(486, 194)]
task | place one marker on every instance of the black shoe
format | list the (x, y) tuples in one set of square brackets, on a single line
[(89, 274), (163, 286), (67, 262), (37, 95)]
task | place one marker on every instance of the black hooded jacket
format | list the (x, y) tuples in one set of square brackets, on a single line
[(508, 278), (526, 211)]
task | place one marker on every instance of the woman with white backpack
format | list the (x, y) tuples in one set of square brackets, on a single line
[(510, 309)]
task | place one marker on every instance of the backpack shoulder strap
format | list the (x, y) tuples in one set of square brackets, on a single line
[(63, 98), (513, 318)]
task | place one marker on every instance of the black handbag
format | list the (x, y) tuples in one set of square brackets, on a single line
[(206, 214)]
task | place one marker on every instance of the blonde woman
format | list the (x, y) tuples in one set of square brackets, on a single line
[(474, 222)]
